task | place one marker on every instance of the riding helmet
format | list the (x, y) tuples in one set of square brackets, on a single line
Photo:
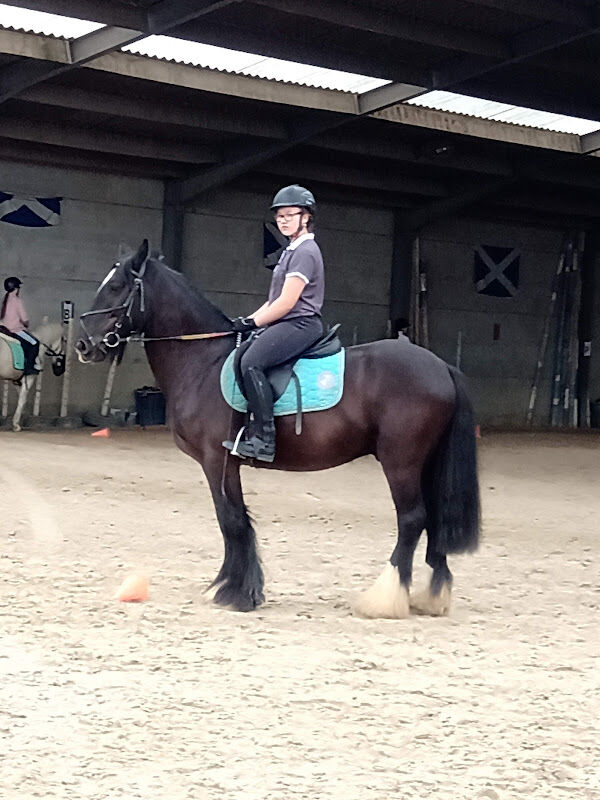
[(11, 283), (294, 195)]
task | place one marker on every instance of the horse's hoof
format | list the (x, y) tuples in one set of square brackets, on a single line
[(17, 428), (433, 605), (238, 599), (386, 599)]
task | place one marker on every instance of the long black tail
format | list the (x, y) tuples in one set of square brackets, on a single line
[(452, 488)]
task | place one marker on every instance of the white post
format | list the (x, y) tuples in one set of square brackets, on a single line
[(38, 394), (68, 366), (110, 379), (4, 399)]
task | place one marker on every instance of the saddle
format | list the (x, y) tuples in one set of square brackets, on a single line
[(15, 347), (280, 375)]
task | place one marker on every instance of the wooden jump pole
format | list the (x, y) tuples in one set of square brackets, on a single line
[(539, 365)]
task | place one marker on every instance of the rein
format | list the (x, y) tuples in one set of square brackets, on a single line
[(114, 339)]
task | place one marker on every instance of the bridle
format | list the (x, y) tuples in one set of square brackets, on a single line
[(113, 338)]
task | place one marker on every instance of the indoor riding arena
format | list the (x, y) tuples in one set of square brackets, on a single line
[(451, 148)]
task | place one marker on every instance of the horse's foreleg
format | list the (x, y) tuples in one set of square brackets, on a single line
[(240, 580), (389, 595), (26, 382)]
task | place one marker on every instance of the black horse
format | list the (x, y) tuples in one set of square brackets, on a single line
[(401, 404)]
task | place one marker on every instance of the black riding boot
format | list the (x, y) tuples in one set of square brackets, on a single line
[(259, 442), (30, 352)]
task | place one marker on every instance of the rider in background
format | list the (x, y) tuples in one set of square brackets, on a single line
[(14, 319), (288, 323)]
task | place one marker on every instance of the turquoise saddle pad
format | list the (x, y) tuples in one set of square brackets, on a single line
[(321, 380), (16, 350)]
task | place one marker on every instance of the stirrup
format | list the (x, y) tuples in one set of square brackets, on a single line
[(257, 448), (233, 446)]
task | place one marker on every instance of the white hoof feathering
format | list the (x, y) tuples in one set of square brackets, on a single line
[(434, 605), (387, 598)]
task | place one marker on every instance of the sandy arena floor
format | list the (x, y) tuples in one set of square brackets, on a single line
[(175, 698)]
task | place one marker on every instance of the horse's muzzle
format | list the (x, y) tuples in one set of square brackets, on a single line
[(88, 352), (83, 347)]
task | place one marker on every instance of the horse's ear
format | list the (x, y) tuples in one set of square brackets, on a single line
[(141, 255)]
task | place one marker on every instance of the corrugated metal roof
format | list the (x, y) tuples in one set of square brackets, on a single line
[(232, 61), (221, 58), (502, 112), (49, 24)]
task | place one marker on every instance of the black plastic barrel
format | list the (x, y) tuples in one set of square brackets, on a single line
[(595, 413), (149, 406)]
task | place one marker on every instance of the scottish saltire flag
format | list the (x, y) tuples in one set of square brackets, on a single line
[(496, 270), (30, 212), (274, 243)]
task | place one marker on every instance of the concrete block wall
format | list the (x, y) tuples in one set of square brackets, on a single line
[(68, 261), (500, 371), (222, 255)]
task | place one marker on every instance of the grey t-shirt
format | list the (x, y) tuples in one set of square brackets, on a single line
[(306, 262)]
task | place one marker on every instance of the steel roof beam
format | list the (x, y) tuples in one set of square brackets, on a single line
[(148, 110), (393, 180), (170, 14), (416, 220), (43, 154), (293, 46), (160, 18), (392, 24), (553, 10), (524, 45), (97, 43), (24, 129), (242, 157), (590, 142), (389, 95)]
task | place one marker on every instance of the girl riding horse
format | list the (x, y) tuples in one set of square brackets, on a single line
[(15, 321), (288, 323)]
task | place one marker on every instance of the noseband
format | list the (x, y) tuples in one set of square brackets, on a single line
[(113, 338)]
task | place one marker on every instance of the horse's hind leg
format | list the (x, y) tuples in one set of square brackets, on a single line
[(388, 597), (435, 600)]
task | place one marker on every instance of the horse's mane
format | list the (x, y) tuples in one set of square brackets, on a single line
[(193, 296), (48, 332)]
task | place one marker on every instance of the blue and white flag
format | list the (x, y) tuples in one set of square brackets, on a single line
[(30, 212), (496, 270)]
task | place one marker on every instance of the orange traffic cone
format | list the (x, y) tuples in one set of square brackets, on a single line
[(134, 589), (103, 433)]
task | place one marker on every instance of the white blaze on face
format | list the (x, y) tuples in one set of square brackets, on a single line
[(107, 279)]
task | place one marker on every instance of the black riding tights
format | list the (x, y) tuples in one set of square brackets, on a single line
[(280, 342)]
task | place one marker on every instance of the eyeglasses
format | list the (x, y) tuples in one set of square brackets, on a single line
[(287, 217)]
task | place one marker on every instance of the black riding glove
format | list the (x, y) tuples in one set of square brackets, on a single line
[(243, 325)]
